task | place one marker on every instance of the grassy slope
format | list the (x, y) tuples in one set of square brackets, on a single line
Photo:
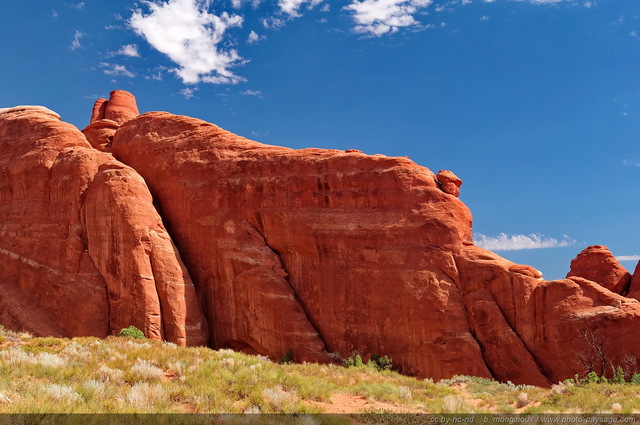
[(122, 375)]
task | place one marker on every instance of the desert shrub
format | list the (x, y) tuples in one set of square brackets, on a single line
[(635, 379), (106, 374), (278, 397), (287, 358), (522, 399), (132, 332), (453, 404), (146, 370), (354, 361), (381, 362), (592, 378), (144, 395), (618, 377), (61, 393)]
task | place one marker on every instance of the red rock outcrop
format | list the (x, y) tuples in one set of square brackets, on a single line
[(449, 182), (314, 251), (634, 286), (83, 250), (120, 107), (597, 264), (100, 134)]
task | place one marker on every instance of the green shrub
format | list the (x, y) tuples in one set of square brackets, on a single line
[(354, 361), (635, 379), (132, 332), (287, 358), (618, 378), (592, 378), (381, 362)]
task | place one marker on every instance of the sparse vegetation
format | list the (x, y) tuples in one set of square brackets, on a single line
[(86, 375), (131, 332)]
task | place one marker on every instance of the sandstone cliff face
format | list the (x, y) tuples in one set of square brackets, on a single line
[(314, 251), (83, 250), (355, 250)]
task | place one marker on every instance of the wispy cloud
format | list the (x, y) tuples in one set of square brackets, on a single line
[(504, 242), (190, 36), (130, 50), (76, 6), (292, 7), (273, 23), (379, 17), (631, 163), (254, 37), (75, 44), (116, 70), (256, 93), (628, 257), (189, 92)]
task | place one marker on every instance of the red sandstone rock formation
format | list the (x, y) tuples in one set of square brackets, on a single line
[(312, 250), (634, 287), (83, 250), (597, 264), (449, 182), (120, 107), (100, 134)]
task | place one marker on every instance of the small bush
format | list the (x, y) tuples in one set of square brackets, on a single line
[(522, 399), (287, 358), (146, 370), (635, 379), (61, 393), (354, 361), (618, 378), (592, 378), (106, 374), (132, 332), (381, 362)]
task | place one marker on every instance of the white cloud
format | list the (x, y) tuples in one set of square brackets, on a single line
[(77, 6), (504, 242), (484, 18), (273, 23), (237, 4), (379, 17), (545, 1), (189, 35), (628, 257), (130, 50), (188, 92), (54, 14), (254, 37), (256, 93), (116, 70), (292, 7), (632, 163), (75, 44)]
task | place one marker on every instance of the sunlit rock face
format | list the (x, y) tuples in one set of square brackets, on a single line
[(200, 236), (597, 264)]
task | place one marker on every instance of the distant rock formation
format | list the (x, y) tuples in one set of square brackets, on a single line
[(120, 107), (266, 249), (83, 251), (597, 264)]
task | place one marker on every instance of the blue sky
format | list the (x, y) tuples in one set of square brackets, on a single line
[(535, 104)]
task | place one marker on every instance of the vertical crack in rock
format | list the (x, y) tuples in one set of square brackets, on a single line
[(286, 278), (148, 285), (504, 352)]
